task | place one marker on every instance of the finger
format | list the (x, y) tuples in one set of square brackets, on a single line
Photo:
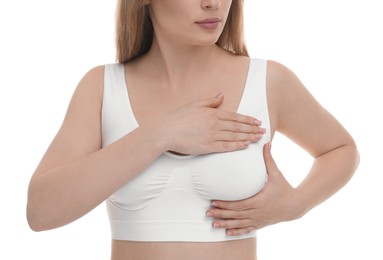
[(211, 102), (240, 127), (237, 205), (234, 136), (240, 231), (232, 224), (226, 214), (236, 117), (269, 161)]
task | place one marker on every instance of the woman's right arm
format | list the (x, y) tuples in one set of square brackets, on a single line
[(76, 174)]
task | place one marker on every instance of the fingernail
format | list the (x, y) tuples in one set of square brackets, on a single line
[(210, 214), (257, 122), (214, 204), (258, 136), (262, 130), (229, 233), (216, 225)]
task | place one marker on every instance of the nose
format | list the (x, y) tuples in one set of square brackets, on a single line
[(211, 4)]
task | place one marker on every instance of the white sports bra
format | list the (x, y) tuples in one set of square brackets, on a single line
[(168, 201)]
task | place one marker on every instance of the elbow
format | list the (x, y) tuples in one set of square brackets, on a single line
[(42, 218), (39, 217), (34, 220), (351, 159), (38, 213), (35, 227), (39, 220), (34, 213), (354, 155)]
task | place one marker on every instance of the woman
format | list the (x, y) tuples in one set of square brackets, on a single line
[(176, 139)]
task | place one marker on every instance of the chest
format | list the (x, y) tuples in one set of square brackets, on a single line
[(225, 176), (150, 97)]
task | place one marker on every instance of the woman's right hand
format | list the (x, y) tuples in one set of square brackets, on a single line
[(201, 128)]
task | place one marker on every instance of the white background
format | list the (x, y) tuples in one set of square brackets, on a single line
[(335, 47)]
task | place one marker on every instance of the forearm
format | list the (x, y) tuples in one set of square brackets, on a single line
[(65, 193), (329, 173)]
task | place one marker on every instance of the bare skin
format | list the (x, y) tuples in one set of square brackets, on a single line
[(66, 169), (237, 249), (172, 90)]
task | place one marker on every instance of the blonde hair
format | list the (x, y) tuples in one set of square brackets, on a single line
[(134, 30)]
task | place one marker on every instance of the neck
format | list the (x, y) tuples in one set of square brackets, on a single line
[(176, 63)]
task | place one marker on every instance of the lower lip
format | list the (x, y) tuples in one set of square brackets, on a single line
[(208, 26)]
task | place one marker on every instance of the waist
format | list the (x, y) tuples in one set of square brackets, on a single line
[(244, 249)]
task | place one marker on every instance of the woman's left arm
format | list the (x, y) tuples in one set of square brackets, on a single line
[(296, 114)]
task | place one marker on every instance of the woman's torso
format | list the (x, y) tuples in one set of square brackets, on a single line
[(236, 249)]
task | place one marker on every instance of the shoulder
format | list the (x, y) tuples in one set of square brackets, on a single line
[(279, 76), (284, 89), (282, 82), (94, 75), (88, 94), (92, 83)]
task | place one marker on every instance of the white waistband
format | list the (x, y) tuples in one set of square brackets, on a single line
[(166, 231)]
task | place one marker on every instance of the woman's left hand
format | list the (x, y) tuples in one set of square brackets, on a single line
[(276, 202)]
